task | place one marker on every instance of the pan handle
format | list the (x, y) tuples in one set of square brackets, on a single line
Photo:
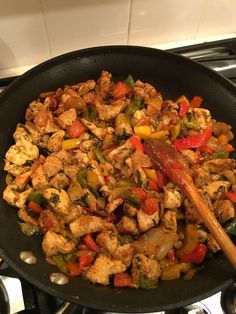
[(69, 308)]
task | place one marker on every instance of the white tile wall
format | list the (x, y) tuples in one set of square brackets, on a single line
[(161, 21), (34, 30), (76, 24), (23, 39)]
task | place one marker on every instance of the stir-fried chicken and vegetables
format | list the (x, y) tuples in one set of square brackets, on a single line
[(80, 178)]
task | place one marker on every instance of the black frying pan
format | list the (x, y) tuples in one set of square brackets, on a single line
[(172, 76)]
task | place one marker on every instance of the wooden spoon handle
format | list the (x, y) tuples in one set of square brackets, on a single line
[(212, 223)]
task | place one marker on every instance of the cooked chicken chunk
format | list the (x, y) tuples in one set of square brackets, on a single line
[(67, 118), (224, 210), (84, 88), (103, 268), (127, 225), (60, 181), (54, 243), (104, 83), (39, 178), (22, 152), (89, 224), (52, 165), (212, 244), (191, 213), (72, 100), (145, 221), (111, 206), (202, 117), (108, 112), (58, 200), (169, 219), (21, 180), (118, 155), (48, 221), (216, 189), (14, 169), (15, 198), (54, 142), (97, 131), (173, 196), (145, 268), (24, 214), (219, 165)]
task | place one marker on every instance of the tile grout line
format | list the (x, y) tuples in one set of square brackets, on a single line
[(200, 19), (129, 21), (46, 28)]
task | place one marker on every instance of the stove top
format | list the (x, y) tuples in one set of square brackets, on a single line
[(18, 296)]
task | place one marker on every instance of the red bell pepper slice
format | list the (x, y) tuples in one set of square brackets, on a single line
[(150, 206), (90, 243), (197, 255), (120, 90), (122, 280), (85, 260), (140, 193), (36, 208), (183, 108), (231, 196), (193, 141), (153, 186), (76, 129), (73, 268), (136, 142), (229, 148), (196, 102)]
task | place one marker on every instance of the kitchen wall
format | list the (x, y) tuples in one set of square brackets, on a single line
[(32, 31)]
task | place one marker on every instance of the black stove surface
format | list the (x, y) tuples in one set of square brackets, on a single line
[(18, 296)]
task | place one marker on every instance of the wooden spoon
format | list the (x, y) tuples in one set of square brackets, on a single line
[(174, 166)]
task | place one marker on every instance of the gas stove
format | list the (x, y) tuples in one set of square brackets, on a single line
[(18, 296)]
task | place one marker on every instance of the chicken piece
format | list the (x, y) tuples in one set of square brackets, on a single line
[(127, 225), (15, 198), (173, 197), (219, 165), (191, 213), (22, 152), (75, 212), (108, 112), (82, 158), (169, 219), (124, 253), (108, 242), (67, 118), (212, 244), (39, 178), (21, 180), (75, 192), (104, 83), (130, 210), (202, 236), (224, 210), (89, 97), (190, 156), (52, 165), (97, 131), (200, 176), (146, 221), (55, 141), (216, 189), (14, 169), (98, 170), (230, 176), (22, 134), (91, 200), (60, 181), (64, 156), (49, 126), (145, 269), (58, 200), (145, 90), (202, 117), (139, 159), (87, 145), (140, 177), (103, 268), (111, 206), (118, 155), (54, 243), (32, 109), (223, 128), (72, 100), (48, 221), (86, 87), (71, 171), (24, 214), (89, 224)]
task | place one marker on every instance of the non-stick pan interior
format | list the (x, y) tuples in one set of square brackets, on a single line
[(172, 76)]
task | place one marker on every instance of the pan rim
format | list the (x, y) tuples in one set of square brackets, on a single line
[(116, 48)]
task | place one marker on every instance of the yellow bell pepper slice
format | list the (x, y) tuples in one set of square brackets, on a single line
[(175, 132), (143, 131), (92, 179), (71, 143), (190, 240), (160, 135), (171, 272), (151, 174)]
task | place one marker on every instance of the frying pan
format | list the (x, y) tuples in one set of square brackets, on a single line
[(173, 76)]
